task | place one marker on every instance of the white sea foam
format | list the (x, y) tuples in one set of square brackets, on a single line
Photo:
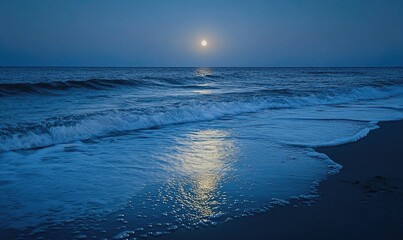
[(113, 122), (355, 137)]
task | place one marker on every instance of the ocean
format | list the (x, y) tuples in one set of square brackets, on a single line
[(137, 152)]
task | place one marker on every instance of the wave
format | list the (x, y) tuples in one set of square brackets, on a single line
[(54, 87), (67, 130), (7, 89), (359, 135)]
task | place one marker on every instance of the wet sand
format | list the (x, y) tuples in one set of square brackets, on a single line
[(363, 201)]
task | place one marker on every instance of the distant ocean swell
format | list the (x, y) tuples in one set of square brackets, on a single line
[(45, 88), (34, 135), (49, 87)]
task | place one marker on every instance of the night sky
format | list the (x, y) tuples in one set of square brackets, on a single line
[(169, 33)]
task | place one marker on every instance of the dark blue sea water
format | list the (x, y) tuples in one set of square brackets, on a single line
[(130, 152)]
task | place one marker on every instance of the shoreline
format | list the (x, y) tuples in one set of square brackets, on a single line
[(363, 201)]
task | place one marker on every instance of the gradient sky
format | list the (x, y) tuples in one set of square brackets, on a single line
[(168, 33)]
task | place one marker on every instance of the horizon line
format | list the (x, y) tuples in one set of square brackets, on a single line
[(67, 66)]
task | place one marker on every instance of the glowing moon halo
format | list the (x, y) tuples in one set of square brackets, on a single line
[(204, 43)]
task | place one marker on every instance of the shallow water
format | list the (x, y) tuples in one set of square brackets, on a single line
[(100, 151)]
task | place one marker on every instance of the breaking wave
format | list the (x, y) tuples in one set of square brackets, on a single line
[(86, 127)]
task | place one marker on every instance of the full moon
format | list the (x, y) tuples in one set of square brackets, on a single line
[(204, 43)]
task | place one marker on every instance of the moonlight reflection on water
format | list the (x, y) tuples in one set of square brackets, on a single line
[(202, 160)]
